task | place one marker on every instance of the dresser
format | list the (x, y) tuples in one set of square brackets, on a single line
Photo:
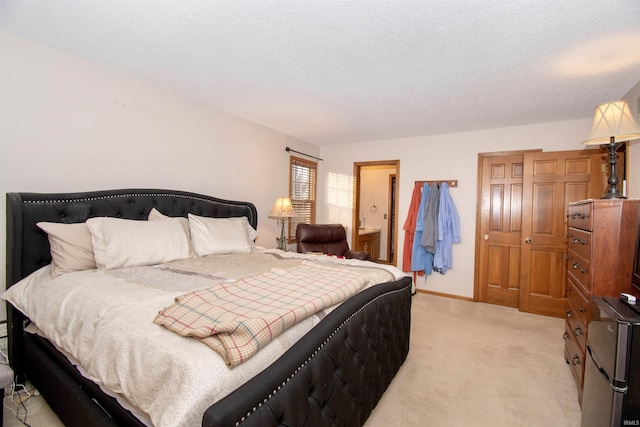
[(601, 242)]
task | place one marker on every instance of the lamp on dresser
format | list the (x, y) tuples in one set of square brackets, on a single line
[(612, 125), (282, 211)]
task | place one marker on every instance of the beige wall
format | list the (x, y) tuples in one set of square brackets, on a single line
[(67, 124), (445, 157), (455, 156), (633, 97)]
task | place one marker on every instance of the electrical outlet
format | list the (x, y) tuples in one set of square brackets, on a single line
[(3, 329)]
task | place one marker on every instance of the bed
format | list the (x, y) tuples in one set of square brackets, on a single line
[(334, 374)]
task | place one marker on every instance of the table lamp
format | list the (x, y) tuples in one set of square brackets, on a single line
[(612, 125), (281, 211)]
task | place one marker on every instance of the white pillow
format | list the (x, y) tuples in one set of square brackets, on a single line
[(125, 243), (253, 234), (71, 248), (219, 235), (156, 215)]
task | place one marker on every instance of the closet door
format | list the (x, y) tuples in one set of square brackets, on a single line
[(550, 181), (498, 272)]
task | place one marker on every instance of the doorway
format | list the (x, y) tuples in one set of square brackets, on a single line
[(375, 210)]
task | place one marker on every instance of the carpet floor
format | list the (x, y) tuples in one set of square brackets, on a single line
[(477, 364)]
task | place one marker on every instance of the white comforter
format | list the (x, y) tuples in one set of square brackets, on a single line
[(103, 321)]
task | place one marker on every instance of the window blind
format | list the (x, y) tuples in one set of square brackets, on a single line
[(302, 190)]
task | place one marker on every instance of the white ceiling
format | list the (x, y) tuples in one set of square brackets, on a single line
[(333, 72)]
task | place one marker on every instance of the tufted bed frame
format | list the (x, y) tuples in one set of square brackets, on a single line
[(334, 375)]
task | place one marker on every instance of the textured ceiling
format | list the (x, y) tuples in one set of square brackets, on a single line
[(333, 72)]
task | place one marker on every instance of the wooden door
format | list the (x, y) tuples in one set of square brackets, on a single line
[(500, 230), (550, 181)]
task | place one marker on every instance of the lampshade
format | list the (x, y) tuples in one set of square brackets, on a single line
[(612, 119), (282, 209)]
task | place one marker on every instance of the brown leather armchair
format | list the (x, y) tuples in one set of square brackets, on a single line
[(328, 239)]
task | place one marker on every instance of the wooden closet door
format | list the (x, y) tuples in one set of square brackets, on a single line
[(500, 229), (550, 181)]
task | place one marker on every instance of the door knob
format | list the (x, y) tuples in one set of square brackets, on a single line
[(485, 237), (527, 240)]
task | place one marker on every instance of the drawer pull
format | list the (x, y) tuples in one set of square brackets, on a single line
[(583, 270), (576, 360), (578, 331), (581, 309), (568, 313), (575, 265), (580, 215), (566, 335)]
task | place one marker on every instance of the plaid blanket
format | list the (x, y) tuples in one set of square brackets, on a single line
[(237, 319)]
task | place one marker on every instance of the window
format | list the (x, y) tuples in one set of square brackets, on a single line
[(302, 190)]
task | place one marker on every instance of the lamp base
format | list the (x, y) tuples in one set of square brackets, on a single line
[(282, 241), (613, 192)]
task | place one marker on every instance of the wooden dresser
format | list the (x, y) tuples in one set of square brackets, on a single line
[(601, 243)]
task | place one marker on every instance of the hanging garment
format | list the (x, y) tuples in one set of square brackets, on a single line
[(421, 260), (448, 231), (430, 232), (410, 227)]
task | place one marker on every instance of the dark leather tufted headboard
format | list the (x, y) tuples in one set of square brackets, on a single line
[(28, 246)]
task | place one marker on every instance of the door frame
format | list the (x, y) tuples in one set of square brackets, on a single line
[(357, 167)]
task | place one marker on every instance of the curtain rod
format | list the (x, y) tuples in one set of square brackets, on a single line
[(308, 155)]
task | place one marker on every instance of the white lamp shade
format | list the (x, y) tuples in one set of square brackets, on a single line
[(282, 209), (612, 119)]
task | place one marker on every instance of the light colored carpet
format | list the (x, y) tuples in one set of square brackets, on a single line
[(470, 364), (476, 364)]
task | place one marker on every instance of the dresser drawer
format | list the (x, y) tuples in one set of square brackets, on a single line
[(573, 355), (579, 332), (581, 215), (579, 270), (579, 242), (578, 303)]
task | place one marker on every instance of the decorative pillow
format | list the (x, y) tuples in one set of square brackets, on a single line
[(125, 243), (71, 248), (219, 235), (156, 215)]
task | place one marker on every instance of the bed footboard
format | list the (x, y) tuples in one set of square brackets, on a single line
[(338, 378)]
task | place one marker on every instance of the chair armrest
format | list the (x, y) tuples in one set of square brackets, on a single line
[(365, 256)]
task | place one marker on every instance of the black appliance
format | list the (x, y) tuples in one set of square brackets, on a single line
[(611, 395)]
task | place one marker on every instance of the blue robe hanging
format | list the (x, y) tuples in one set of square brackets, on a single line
[(421, 259), (448, 231)]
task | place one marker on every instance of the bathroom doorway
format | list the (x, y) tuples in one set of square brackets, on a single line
[(375, 225)]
